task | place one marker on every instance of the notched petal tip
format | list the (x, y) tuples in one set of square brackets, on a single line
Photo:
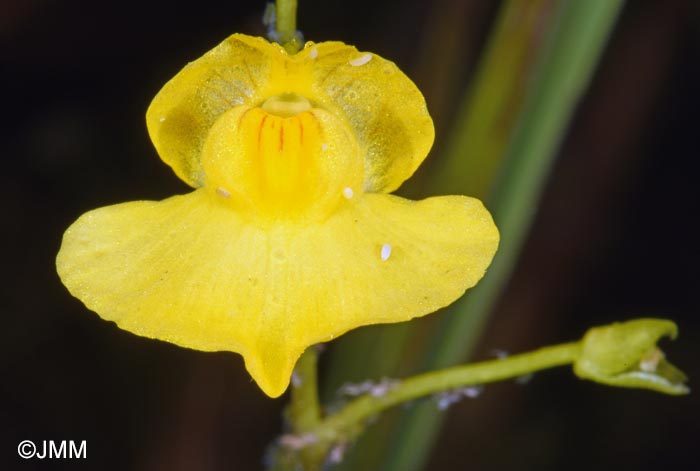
[(625, 354)]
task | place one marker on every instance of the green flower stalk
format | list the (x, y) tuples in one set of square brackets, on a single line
[(620, 354)]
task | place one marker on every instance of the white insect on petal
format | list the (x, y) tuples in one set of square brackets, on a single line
[(362, 60), (314, 53), (347, 192), (223, 192), (161, 119), (386, 252)]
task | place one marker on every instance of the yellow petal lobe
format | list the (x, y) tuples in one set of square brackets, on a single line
[(191, 271), (380, 105), (383, 106)]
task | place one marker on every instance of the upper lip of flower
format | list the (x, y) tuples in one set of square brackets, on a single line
[(289, 239), (384, 110)]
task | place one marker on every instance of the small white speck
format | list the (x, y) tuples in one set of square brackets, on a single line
[(446, 399), (386, 252), (362, 60), (296, 379), (472, 392), (337, 453), (324, 147), (347, 192), (651, 362), (314, 53), (356, 389), (297, 442), (499, 353), (377, 389), (384, 386), (161, 119), (223, 192), (524, 379)]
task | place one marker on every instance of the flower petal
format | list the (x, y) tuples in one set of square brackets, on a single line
[(393, 259), (188, 270), (385, 110), (180, 116), (382, 105), (185, 270)]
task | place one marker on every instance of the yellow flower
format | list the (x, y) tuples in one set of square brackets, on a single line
[(290, 237)]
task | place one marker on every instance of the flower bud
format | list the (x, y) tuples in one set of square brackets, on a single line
[(625, 354)]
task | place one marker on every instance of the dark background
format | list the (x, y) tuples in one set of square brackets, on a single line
[(616, 238)]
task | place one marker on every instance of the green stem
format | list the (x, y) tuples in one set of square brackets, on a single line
[(303, 413), (488, 113), (304, 408), (355, 414), (622, 354), (286, 25)]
